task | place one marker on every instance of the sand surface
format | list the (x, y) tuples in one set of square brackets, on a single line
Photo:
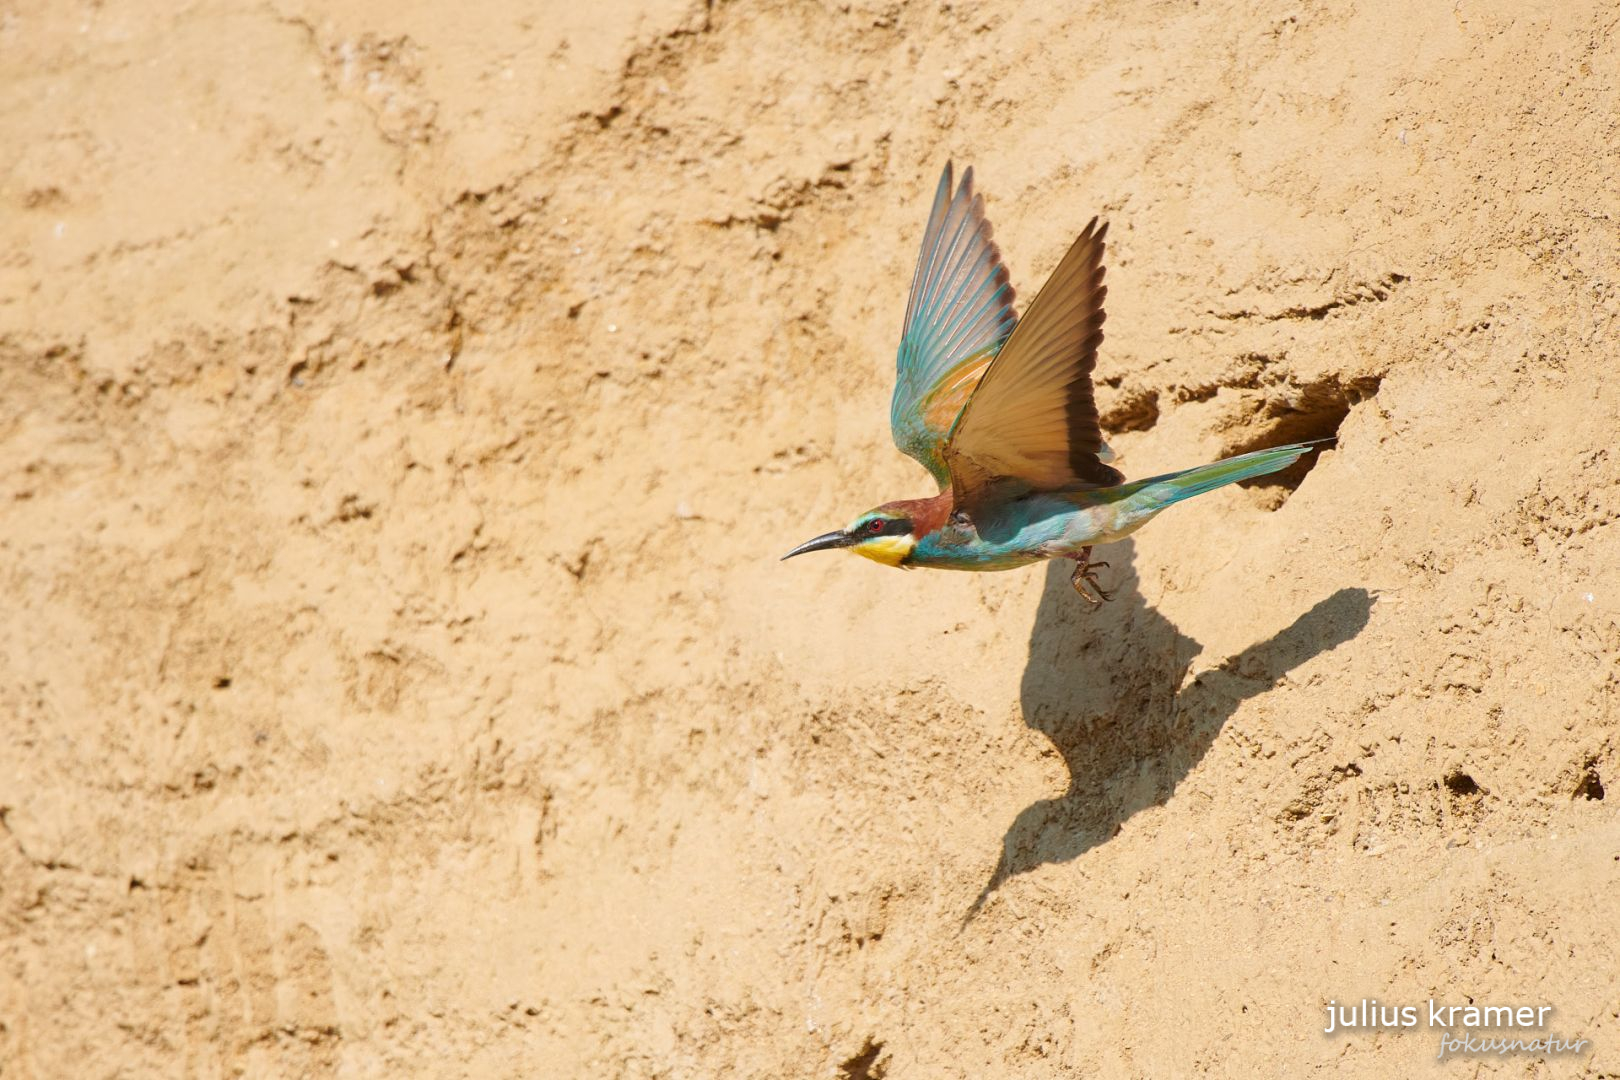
[(403, 407)]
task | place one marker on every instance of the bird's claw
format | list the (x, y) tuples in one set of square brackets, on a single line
[(1085, 581), (1085, 584)]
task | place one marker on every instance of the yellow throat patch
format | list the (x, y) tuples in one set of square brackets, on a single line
[(888, 550)]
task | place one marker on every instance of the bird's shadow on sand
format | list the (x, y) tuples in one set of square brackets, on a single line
[(1105, 686)]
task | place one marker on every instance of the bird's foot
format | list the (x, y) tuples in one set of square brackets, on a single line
[(1085, 583), (1085, 580)]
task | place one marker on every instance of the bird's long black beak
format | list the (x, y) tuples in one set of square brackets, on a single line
[(825, 540)]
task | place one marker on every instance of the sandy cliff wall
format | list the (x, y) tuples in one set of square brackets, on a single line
[(401, 413)]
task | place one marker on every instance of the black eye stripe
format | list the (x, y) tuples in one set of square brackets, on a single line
[(886, 527)]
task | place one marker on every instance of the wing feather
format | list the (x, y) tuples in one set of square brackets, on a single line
[(1031, 424), (958, 315)]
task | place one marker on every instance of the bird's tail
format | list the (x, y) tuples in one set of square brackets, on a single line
[(1163, 491)]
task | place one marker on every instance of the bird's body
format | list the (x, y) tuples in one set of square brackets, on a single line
[(1026, 530), (1001, 411), (1050, 525)]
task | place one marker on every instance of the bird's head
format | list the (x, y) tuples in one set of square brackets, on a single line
[(884, 535)]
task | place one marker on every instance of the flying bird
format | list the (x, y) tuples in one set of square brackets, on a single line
[(1002, 412)]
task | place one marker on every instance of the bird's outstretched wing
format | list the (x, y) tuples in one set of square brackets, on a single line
[(959, 314), (1032, 423)]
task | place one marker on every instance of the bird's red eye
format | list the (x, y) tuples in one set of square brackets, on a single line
[(875, 526)]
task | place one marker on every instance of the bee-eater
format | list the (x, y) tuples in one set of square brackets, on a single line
[(1001, 411)]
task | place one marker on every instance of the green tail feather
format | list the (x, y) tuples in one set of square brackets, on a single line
[(1173, 487)]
